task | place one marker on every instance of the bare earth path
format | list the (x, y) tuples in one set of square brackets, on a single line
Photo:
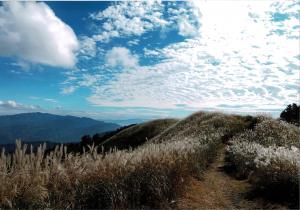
[(218, 190)]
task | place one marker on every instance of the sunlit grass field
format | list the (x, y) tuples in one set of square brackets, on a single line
[(155, 173)]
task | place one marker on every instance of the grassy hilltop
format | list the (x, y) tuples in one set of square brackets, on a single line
[(164, 156)]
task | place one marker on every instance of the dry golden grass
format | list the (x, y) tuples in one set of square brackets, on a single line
[(151, 175), (138, 134), (270, 155)]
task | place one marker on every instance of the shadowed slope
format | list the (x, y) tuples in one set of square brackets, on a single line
[(138, 134)]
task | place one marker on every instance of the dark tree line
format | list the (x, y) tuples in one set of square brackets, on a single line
[(291, 114), (98, 139)]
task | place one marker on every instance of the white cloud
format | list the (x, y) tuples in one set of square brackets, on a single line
[(77, 79), (88, 80), (21, 64), (13, 105), (236, 63), (121, 56), (151, 53), (51, 100), (186, 28), (32, 32), (129, 18), (9, 104), (133, 42), (68, 90), (186, 17), (88, 47), (135, 18)]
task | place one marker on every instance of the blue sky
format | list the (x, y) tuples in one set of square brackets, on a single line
[(148, 59)]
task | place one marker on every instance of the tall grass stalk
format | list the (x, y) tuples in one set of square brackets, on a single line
[(148, 176)]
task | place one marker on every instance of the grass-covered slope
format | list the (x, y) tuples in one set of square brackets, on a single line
[(149, 176), (205, 122), (138, 134), (269, 155)]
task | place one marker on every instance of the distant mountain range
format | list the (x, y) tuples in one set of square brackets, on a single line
[(33, 127), (128, 121)]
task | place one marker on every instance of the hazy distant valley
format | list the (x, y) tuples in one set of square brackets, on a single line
[(39, 127)]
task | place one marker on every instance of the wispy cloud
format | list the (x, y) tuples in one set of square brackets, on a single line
[(51, 100), (133, 42), (88, 47), (13, 107), (88, 80), (68, 89)]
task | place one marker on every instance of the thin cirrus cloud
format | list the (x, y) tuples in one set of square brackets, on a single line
[(253, 60), (51, 100), (30, 31)]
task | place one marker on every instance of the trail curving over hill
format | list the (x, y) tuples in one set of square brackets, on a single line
[(219, 190)]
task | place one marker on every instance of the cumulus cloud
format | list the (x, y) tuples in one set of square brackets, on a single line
[(121, 56), (32, 32)]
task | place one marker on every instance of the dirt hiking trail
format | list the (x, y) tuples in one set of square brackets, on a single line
[(218, 190)]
